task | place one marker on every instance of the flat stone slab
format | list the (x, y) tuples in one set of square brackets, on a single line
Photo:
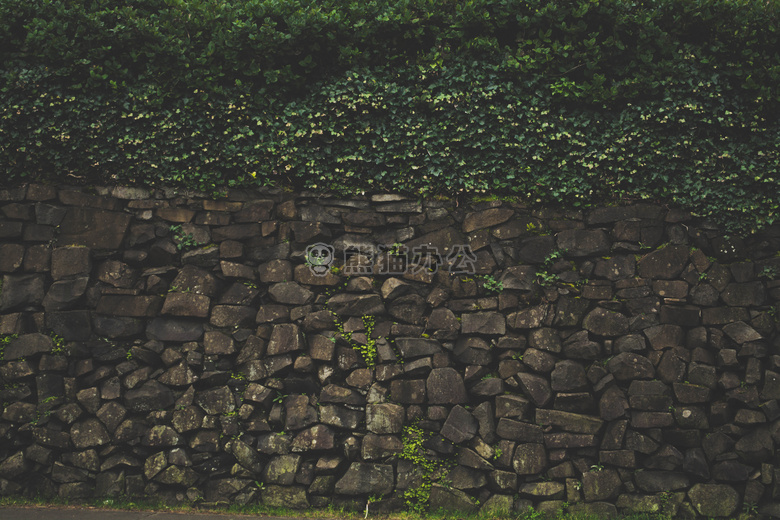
[(93, 228)]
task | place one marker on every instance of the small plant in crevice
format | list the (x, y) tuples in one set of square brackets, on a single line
[(491, 284), (497, 452), (397, 249), (47, 409), (237, 376), (184, 241), (58, 345), (368, 351), (774, 312), (5, 339), (416, 498), (769, 272), (543, 276), (665, 498), (533, 229)]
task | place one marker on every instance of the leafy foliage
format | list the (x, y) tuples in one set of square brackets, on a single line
[(183, 240), (568, 102)]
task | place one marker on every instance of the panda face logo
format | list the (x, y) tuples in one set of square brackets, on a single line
[(319, 257)]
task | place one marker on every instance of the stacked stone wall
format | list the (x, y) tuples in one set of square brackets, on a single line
[(164, 344)]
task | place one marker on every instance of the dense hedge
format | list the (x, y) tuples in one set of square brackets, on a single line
[(570, 101)]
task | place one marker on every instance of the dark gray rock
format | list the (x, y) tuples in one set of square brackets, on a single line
[(522, 278), (744, 294), (174, 329), (519, 431), (695, 463), (363, 478), (376, 447), (186, 304), (628, 366), (601, 485), (536, 388), (755, 447), (582, 242), (545, 339), (568, 376), (529, 459), (605, 215), (488, 323), (318, 437), (472, 350), (411, 348), (290, 293), (285, 338), (11, 257), (666, 263), (488, 387), (658, 481), (151, 396), (616, 268), (117, 326), (282, 470), (70, 325), (299, 413), (712, 500), (567, 421), (356, 304), (28, 345), (664, 336), (13, 466), (539, 361), (161, 435), (410, 309), (445, 386), (731, 471), (486, 218), (93, 228), (460, 425), (603, 322), (89, 433), (741, 332), (293, 497), (64, 294), (449, 499), (443, 323), (529, 318), (216, 401), (21, 291), (385, 418)]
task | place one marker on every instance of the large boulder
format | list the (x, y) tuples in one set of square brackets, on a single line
[(714, 499), (366, 479)]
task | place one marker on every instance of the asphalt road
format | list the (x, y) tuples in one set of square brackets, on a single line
[(73, 513)]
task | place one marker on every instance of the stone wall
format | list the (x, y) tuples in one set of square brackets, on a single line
[(164, 344)]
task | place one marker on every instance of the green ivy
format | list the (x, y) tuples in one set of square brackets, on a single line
[(183, 240), (570, 102), (5, 340), (367, 351), (416, 498), (58, 347)]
